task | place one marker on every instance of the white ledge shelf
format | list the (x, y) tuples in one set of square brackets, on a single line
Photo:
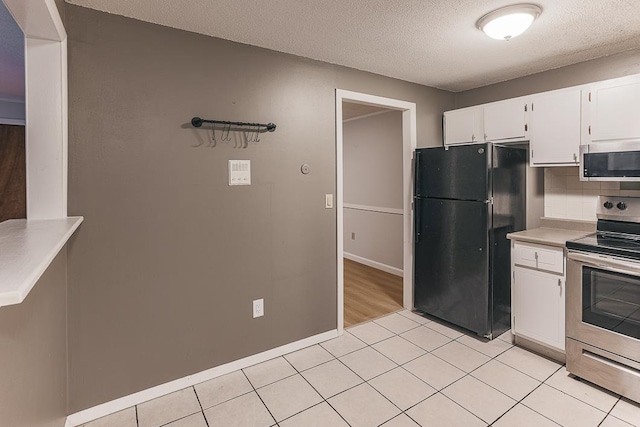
[(27, 248)]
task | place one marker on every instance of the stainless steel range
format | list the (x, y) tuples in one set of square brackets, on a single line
[(603, 299)]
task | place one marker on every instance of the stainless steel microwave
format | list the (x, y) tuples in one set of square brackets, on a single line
[(610, 161)]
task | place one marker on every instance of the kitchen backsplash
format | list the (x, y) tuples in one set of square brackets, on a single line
[(565, 196)]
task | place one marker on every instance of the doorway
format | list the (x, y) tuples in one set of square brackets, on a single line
[(407, 111)]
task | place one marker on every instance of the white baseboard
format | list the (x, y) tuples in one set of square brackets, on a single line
[(374, 264), (125, 402)]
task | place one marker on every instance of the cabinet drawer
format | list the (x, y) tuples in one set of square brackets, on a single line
[(539, 256)]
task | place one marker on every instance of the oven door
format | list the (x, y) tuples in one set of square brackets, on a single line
[(603, 321), (603, 303), (610, 161)]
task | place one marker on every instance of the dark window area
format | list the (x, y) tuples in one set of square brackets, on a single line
[(13, 173)]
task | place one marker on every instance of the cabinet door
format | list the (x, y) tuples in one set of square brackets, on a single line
[(538, 306), (506, 120), (614, 114), (555, 128), (463, 126)]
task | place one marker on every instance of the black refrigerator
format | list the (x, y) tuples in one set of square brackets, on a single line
[(466, 199)]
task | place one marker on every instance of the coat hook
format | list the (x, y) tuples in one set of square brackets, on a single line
[(213, 135), (228, 129)]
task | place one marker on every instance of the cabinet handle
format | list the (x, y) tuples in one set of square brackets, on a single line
[(526, 127), (536, 259), (575, 158), (589, 129), (560, 285), (485, 137), (473, 137)]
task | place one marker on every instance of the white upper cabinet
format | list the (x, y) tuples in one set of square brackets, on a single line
[(612, 110), (463, 126), (506, 121), (554, 133)]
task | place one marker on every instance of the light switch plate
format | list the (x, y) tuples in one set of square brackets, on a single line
[(328, 201), (239, 172)]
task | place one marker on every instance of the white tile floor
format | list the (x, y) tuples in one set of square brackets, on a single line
[(402, 370)]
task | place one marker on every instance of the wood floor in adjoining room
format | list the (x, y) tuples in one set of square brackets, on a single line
[(369, 293)]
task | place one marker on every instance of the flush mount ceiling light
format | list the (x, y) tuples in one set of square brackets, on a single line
[(509, 22)]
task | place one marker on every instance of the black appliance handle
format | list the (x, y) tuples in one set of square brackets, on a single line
[(417, 211), (416, 175)]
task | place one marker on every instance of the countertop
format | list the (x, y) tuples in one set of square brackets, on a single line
[(554, 232), (27, 247)]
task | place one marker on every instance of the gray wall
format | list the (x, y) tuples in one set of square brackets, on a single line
[(608, 67), (169, 258), (33, 353), (372, 148)]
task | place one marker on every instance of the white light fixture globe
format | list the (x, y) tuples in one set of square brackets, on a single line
[(510, 21)]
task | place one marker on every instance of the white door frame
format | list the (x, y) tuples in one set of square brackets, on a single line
[(409, 142), (45, 107)]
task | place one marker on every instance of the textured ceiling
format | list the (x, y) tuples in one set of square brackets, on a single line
[(431, 42), (11, 57)]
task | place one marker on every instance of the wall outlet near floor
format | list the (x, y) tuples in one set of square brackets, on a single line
[(258, 308)]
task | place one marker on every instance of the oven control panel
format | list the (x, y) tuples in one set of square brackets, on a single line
[(619, 208)]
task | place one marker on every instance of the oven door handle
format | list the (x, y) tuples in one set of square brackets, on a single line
[(615, 265)]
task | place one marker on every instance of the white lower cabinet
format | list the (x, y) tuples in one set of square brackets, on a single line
[(537, 294)]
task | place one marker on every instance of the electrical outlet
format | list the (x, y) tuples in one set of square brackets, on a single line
[(258, 308), (353, 236)]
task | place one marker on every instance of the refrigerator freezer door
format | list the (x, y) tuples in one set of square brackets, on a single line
[(459, 172), (452, 262)]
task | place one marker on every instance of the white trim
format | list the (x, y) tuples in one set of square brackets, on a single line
[(46, 106), (125, 402), (409, 143), (46, 144), (374, 264), (38, 19), (364, 116), (373, 209)]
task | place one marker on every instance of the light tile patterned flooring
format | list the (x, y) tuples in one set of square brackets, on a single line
[(401, 370)]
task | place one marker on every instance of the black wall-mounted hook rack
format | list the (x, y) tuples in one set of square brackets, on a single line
[(197, 122)]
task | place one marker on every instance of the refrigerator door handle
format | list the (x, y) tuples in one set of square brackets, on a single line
[(417, 211), (416, 175)]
